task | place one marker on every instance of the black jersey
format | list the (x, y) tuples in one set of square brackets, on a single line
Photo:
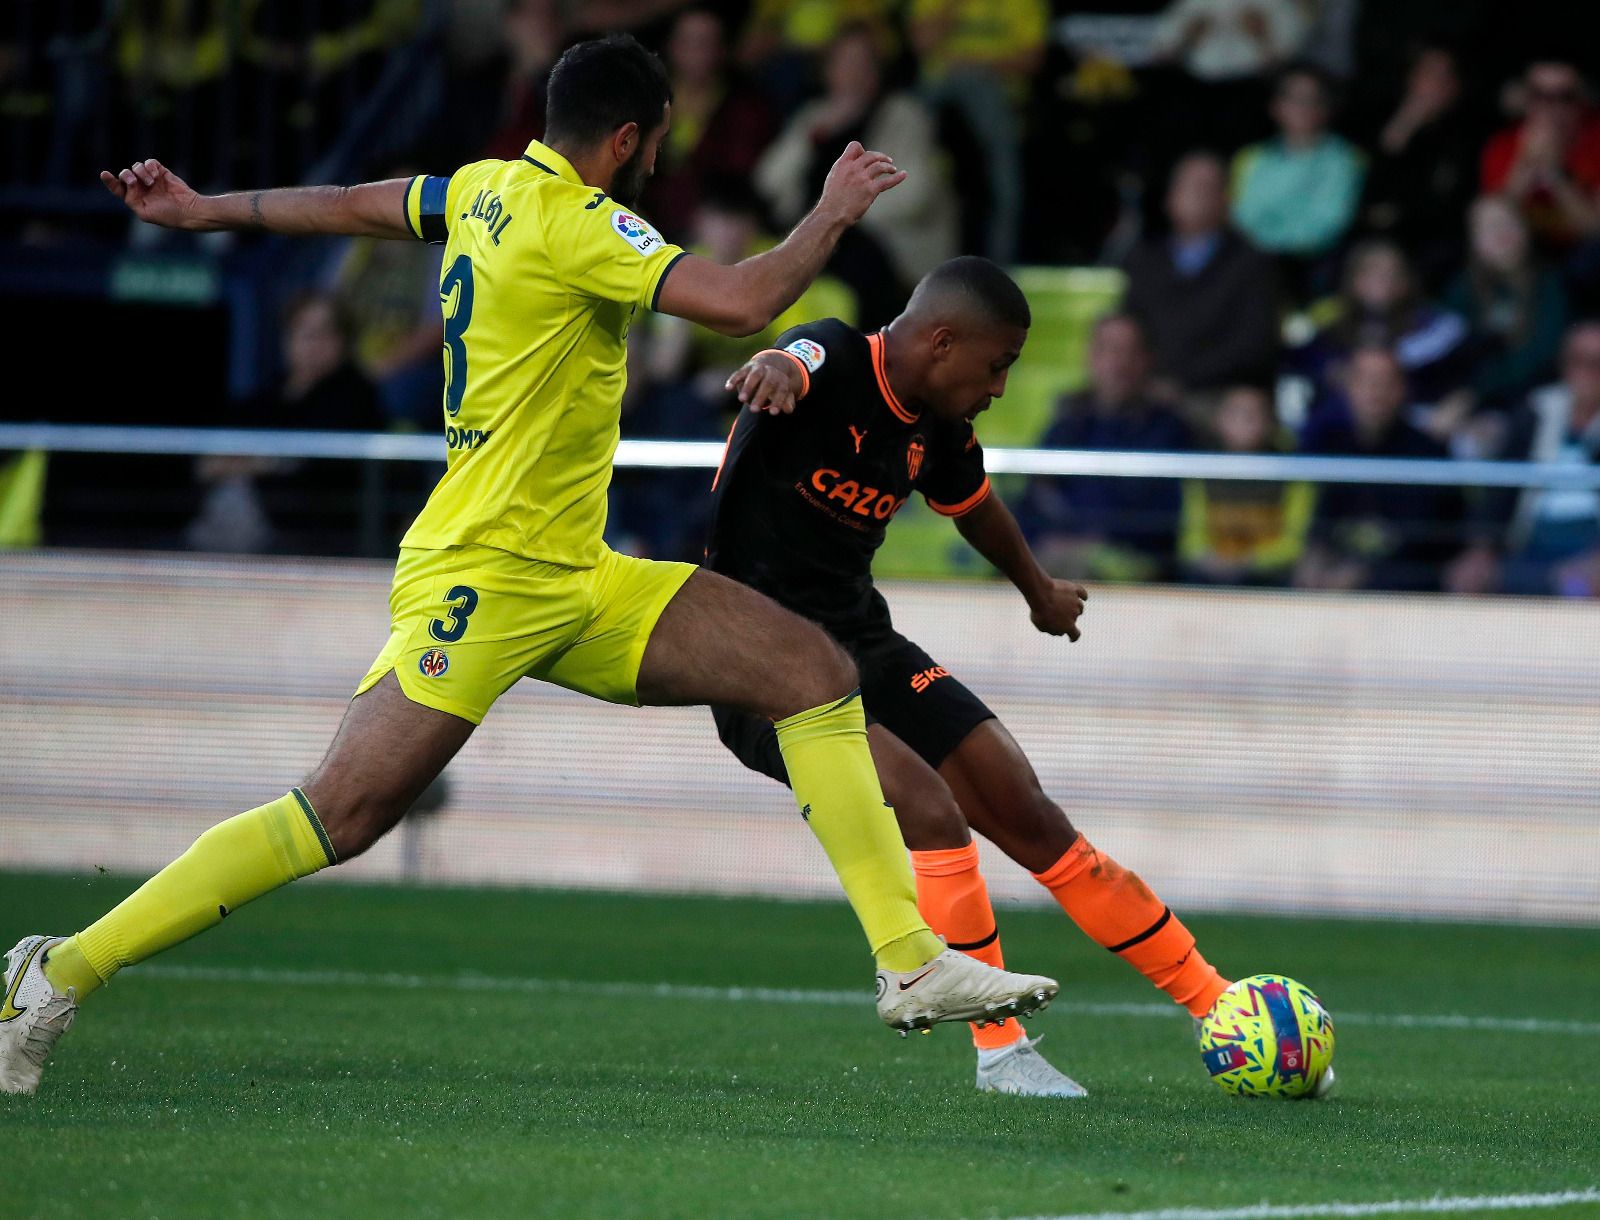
[(802, 500)]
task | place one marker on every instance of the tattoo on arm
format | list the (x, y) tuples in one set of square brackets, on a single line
[(256, 219)]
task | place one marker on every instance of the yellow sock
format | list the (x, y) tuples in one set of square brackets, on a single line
[(836, 787), (231, 864)]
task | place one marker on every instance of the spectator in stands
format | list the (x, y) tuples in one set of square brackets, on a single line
[(1225, 40), (916, 223), (978, 61), (174, 60), (389, 292), (1545, 541), (1206, 297), (1211, 71), (1549, 161), (1296, 194), (534, 34), (784, 41), (1375, 535), (1109, 528), (1515, 306), (1244, 531), (248, 502), (719, 125), (1381, 303), (1423, 171)]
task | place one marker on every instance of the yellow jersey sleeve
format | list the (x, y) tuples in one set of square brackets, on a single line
[(606, 252)]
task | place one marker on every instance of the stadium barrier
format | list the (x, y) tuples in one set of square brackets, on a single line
[(1245, 750)]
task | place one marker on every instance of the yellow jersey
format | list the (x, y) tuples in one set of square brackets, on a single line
[(541, 278)]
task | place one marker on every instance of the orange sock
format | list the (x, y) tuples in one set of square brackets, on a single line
[(1117, 910), (954, 900)]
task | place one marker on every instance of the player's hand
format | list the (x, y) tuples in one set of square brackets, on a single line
[(155, 194), (856, 179), (1056, 610), (764, 386)]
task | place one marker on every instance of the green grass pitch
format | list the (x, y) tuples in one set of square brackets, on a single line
[(321, 1055)]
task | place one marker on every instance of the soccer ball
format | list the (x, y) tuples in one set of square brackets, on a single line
[(1268, 1036)]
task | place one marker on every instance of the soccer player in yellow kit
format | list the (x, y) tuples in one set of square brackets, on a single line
[(505, 575)]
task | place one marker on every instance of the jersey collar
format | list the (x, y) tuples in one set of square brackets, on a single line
[(880, 369), (548, 159)]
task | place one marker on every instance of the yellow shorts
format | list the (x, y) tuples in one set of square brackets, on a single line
[(467, 622)]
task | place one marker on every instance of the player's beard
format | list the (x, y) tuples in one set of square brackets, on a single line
[(628, 182)]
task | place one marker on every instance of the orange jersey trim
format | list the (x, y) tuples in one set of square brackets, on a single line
[(726, 445), (805, 373), (967, 505), (876, 345)]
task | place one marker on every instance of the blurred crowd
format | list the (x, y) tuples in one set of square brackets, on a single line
[(1346, 227)]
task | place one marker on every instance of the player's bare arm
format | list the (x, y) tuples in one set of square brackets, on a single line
[(746, 297), (769, 381), (1054, 605), (158, 196)]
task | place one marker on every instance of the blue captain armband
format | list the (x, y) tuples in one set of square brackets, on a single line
[(425, 203)]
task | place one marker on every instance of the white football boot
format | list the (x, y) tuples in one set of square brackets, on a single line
[(1021, 1070), (955, 987), (32, 1017)]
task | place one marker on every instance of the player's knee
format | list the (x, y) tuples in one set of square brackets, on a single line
[(821, 672), (932, 820), (1048, 819), (354, 821)]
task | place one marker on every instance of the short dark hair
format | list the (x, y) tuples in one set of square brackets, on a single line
[(985, 285), (603, 84)]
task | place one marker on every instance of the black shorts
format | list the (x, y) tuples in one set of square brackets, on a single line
[(902, 688)]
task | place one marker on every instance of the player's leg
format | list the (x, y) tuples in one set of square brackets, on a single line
[(951, 893), (954, 899), (720, 643), (387, 750), (1000, 796)]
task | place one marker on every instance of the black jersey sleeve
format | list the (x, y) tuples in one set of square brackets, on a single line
[(827, 351), (953, 480)]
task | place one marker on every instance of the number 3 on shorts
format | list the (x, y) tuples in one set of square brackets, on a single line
[(465, 602)]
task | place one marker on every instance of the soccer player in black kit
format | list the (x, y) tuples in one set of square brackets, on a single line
[(840, 428)]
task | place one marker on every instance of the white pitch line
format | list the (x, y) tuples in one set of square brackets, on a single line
[(780, 995), (1293, 1211)]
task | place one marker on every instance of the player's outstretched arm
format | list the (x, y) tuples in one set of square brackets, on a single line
[(769, 381), (746, 297), (1054, 605), (155, 194)]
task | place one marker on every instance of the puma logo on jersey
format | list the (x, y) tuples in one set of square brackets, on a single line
[(858, 437), (924, 678)]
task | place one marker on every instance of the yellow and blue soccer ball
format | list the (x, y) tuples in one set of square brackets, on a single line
[(1268, 1036)]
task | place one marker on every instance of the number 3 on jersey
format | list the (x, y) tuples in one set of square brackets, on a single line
[(463, 601), (457, 281)]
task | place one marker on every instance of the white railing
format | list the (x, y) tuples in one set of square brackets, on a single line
[(642, 454)]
